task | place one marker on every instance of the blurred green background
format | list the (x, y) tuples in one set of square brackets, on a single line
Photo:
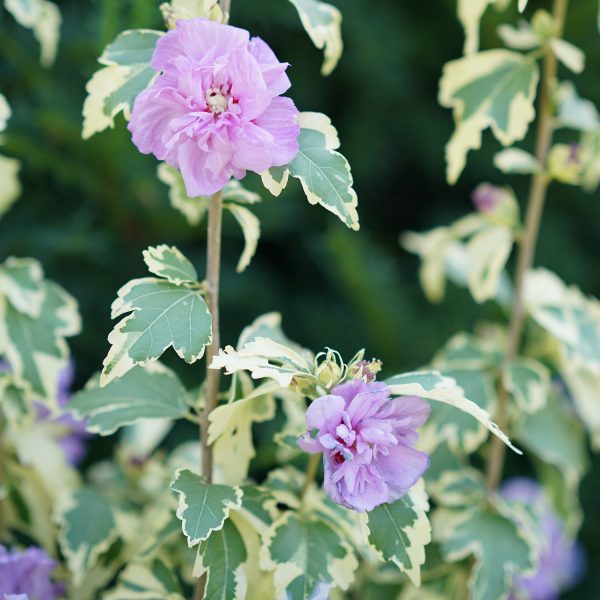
[(89, 208)]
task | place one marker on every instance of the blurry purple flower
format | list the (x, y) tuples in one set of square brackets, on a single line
[(72, 441), (27, 575), (367, 440), (215, 110), (561, 561), (486, 197)]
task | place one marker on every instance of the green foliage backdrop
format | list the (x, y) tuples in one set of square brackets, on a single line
[(91, 208)]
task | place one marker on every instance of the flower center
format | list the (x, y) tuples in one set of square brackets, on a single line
[(216, 100)]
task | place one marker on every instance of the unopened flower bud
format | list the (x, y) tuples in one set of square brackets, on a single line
[(365, 369), (497, 203)]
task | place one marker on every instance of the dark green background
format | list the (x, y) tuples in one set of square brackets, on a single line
[(89, 208)]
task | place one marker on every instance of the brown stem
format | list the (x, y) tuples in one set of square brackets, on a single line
[(213, 376), (535, 207)]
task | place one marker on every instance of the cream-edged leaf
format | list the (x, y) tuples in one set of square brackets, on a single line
[(488, 251), (35, 347), (399, 532), (230, 430), (175, 10), (168, 262), (497, 545), (323, 172), (306, 554), (22, 282), (323, 23), (517, 161), (250, 225), (574, 111), (203, 507), (494, 88), (151, 392), (470, 13), (222, 559), (522, 37), (125, 74), (161, 314), (87, 529), (432, 385), (153, 581), (522, 5), (43, 18), (264, 357)]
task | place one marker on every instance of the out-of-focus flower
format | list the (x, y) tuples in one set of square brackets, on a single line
[(561, 559), (566, 163), (496, 203), (72, 441), (367, 440), (27, 575), (216, 109)]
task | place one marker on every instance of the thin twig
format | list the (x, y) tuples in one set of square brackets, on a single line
[(535, 207)]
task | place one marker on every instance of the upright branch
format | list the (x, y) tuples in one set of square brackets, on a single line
[(213, 376), (535, 207)]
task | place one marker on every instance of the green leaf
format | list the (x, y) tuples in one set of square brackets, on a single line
[(162, 314), (468, 352), (494, 88), (432, 385), (323, 23), (556, 437), (516, 161), (488, 251), (87, 529), (126, 73), (529, 382), (221, 557), (250, 225), (170, 263), (400, 531), (203, 507), (324, 173), (305, 553), (497, 545), (458, 489), (43, 18), (152, 392), (231, 430), (35, 347), (22, 282), (154, 581)]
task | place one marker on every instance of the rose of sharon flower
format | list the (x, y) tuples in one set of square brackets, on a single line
[(27, 574), (561, 559), (367, 440), (216, 109)]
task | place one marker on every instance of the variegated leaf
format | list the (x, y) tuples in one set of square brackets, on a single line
[(324, 173), (175, 10), (87, 529), (470, 13), (306, 555), (125, 74), (151, 392), (43, 18), (432, 385), (22, 283), (400, 531), (323, 23), (529, 382), (494, 88), (517, 161), (170, 263), (203, 508), (250, 225), (154, 581)]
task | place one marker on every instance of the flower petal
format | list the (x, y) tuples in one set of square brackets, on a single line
[(281, 121), (325, 413)]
